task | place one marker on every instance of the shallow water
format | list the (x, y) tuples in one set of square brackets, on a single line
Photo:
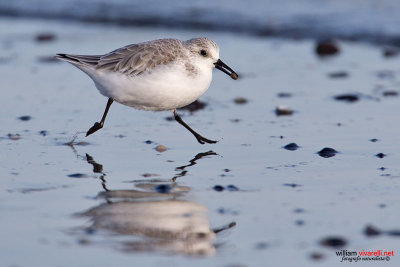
[(112, 199)]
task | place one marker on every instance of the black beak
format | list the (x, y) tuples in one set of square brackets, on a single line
[(225, 68)]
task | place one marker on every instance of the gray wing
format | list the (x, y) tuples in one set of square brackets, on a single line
[(132, 59)]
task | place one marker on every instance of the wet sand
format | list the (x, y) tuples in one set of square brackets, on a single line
[(113, 199)]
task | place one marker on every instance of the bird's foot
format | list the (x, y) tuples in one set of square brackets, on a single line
[(97, 126)]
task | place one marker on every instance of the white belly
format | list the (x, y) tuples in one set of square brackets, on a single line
[(163, 88)]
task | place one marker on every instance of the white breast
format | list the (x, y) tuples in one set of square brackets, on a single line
[(164, 88)]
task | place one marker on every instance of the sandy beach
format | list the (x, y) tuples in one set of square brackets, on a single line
[(112, 199)]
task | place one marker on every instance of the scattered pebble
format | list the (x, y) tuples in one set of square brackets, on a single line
[(43, 133), (146, 175), (390, 93), (327, 152), (218, 188), (163, 188), (382, 168), (283, 111), (148, 142), (299, 222), (78, 175), (380, 155), (393, 232), (195, 106), (25, 118), (45, 37), (291, 147), (298, 210), (316, 256), (373, 140), (292, 185), (326, 48), (334, 242), (350, 98), (160, 148), (391, 52), (232, 188), (240, 100), (262, 245), (284, 95), (14, 137), (338, 75), (372, 231)]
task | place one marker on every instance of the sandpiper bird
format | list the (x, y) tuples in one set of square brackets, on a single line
[(163, 74)]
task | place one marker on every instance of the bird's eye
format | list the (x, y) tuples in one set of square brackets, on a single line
[(203, 52)]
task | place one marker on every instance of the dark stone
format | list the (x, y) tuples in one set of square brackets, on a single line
[(390, 93), (291, 146), (373, 140), (45, 37), (284, 95), (77, 175), (334, 242), (350, 98), (43, 132), (327, 152), (338, 75), (380, 155), (292, 185), (326, 48), (240, 100), (163, 188), (25, 118), (218, 188), (195, 106), (232, 188), (148, 142), (371, 231)]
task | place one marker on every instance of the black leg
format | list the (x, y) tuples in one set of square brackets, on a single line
[(199, 138), (98, 126)]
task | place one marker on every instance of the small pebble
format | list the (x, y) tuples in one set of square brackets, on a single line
[(393, 232), (77, 175), (390, 93), (218, 188), (334, 242), (232, 188), (338, 75), (240, 100), (349, 98), (391, 52), (45, 37), (373, 140), (326, 48), (371, 231), (195, 106), (43, 133), (292, 185), (148, 142), (380, 155), (284, 95), (291, 147), (163, 188), (161, 148), (14, 137), (283, 111), (299, 222), (317, 256), (25, 118), (327, 152)]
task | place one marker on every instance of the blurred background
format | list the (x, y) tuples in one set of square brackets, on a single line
[(371, 20)]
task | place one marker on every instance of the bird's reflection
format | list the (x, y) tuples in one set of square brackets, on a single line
[(155, 215)]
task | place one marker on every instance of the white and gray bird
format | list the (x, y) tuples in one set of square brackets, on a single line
[(163, 74)]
